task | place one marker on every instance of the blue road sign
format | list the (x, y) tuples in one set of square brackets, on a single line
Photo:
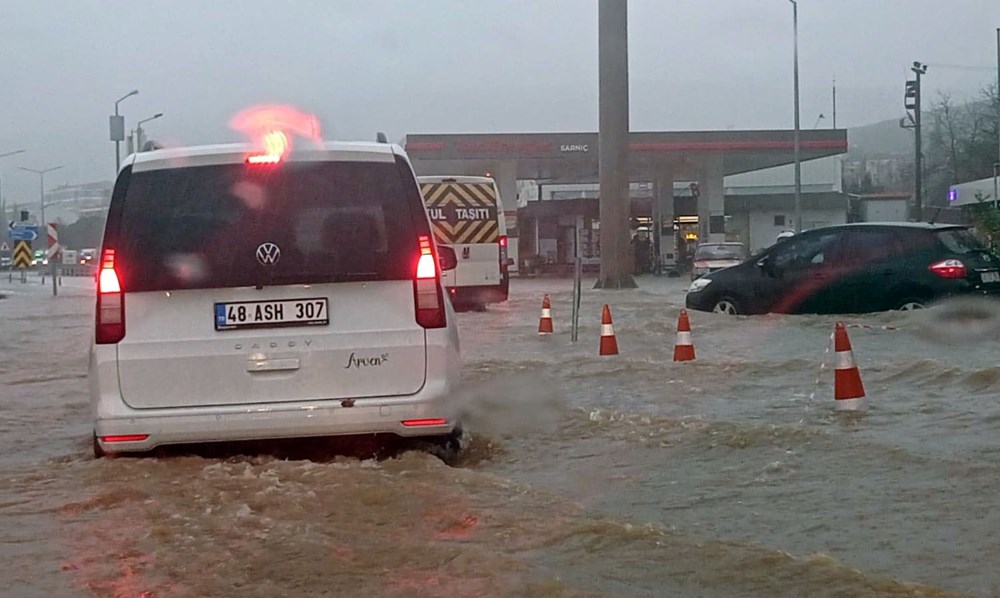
[(23, 233)]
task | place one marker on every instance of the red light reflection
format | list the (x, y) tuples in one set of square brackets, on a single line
[(272, 128)]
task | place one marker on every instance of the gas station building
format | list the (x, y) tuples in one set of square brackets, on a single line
[(677, 186)]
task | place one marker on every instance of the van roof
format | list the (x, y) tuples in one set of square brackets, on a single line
[(234, 153), (439, 178)]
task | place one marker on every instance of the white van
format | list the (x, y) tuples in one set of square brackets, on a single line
[(245, 296), (466, 213)]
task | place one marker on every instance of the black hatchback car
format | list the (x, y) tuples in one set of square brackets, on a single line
[(853, 268)]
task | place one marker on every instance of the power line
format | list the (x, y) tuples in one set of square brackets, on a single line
[(962, 67)]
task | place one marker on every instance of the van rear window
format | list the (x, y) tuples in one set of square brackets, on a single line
[(297, 223)]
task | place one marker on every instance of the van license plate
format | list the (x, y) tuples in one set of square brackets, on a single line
[(991, 277), (271, 314)]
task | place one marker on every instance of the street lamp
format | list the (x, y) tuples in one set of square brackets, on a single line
[(3, 204), (118, 129), (138, 130), (798, 163), (41, 186)]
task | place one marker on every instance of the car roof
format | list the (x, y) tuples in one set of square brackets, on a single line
[(908, 225), (235, 153)]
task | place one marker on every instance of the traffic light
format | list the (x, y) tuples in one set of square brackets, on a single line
[(910, 97), (24, 215)]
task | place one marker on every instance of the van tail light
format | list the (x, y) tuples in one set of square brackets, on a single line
[(110, 313), (416, 423), (427, 287), (503, 252), (949, 269), (125, 438)]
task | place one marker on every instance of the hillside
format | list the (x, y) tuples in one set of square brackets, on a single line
[(878, 139)]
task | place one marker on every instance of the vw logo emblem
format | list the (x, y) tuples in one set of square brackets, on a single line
[(268, 254)]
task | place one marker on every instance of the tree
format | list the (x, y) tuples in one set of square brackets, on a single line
[(961, 142), (85, 232), (986, 219)]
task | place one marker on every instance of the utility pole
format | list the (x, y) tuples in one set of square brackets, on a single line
[(913, 93), (798, 162), (835, 102), (996, 187)]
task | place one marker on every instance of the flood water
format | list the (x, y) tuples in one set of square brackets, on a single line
[(582, 476)]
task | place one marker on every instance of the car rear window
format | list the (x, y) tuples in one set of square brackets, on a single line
[(960, 241), (203, 227), (720, 252)]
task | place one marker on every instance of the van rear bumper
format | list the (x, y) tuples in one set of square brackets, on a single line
[(276, 421), (480, 295)]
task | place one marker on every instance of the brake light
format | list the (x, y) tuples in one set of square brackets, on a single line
[(125, 438), (110, 312), (275, 146), (426, 264), (413, 423), (949, 269), (429, 302), (503, 253)]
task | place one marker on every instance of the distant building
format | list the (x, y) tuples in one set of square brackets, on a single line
[(965, 194), (761, 204), (883, 174)]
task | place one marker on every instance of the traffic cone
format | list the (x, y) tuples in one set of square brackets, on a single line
[(545, 322), (683, 348), (609, 344), (848, 390)]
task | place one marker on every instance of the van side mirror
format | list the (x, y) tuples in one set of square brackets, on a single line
[(447, 258)]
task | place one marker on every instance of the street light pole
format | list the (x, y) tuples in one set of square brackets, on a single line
[(3, 202), (798, 162), (138, 130), (43, 224), (118, 129), (41, 186)]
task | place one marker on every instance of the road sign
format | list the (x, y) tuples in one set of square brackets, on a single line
[(53, 234), (22, 232), (22, 255)]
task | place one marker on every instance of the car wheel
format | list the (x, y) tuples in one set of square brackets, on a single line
[(726, 305), (910, 304)]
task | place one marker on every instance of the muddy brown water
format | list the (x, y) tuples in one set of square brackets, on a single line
[(582, 475)]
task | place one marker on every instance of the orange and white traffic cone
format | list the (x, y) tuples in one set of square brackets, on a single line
[(609, 344), (684, 347), (848, 390), (545, 322)]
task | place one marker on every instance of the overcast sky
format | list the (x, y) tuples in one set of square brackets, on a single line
[(407, 66)]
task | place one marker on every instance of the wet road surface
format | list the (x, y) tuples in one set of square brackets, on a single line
[(582, 476)]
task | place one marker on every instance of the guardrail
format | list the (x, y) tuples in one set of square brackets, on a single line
[(78, 270)]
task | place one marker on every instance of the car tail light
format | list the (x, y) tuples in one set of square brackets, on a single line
[(413, 423), (110, 313), (949, 269), (427, 288)]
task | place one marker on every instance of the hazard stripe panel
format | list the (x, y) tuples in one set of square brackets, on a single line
[(22, 255), (462, 213)]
